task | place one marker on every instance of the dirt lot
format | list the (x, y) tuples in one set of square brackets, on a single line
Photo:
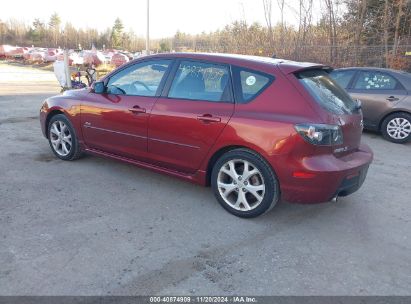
[(98, 227)]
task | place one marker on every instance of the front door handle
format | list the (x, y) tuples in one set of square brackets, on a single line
[(208, 118), (137, 110), (392, 98)]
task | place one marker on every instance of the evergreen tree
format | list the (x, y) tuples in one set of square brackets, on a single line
[(117, 34), (54, 25), (36, 32)]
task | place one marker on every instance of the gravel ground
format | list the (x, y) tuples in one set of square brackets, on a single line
[(100, 227)]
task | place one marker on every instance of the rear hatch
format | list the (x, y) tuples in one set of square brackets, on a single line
[(341, 109), (352, 126)]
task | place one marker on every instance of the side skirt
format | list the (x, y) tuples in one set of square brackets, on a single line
[(198, 178)]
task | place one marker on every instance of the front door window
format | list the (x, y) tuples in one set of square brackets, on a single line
[(142, 79)]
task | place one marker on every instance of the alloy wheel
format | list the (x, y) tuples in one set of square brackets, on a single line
[(241, 185), (61, 138), (399, 128)]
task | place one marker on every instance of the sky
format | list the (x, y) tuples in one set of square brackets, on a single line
[(166, 17)]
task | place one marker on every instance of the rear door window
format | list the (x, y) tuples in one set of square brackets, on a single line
[(201, 81), (327, 92), (250, 84), (373, 80)]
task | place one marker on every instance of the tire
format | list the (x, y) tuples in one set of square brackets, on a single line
[(235, 192), (397, 128), (72, 149)]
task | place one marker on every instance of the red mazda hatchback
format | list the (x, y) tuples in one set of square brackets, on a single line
[(255, 129)]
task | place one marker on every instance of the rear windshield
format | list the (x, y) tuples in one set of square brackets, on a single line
[(327, 92)]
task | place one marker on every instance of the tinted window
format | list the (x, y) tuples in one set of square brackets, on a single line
[(370, 80), (201, 81), (343, 77), (327, 92), (142, 79), (252, 84)]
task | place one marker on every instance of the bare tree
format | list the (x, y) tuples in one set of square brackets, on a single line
[(400, 13), (281, 4), (386, 24), (359, 26), (305, 14), (268, 7), (332, 29)]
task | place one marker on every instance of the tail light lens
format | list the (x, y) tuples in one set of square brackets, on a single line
[(321, 134)]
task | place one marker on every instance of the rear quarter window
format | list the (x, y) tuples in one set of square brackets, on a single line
[(250, 84)]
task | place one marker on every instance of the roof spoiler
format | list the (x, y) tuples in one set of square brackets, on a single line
[(287, 68)]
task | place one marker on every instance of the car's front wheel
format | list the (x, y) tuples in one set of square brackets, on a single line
[(62, 138), (244, 183), (397, 128)]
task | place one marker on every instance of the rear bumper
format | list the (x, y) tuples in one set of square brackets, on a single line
[(351, 184), (327, 177)]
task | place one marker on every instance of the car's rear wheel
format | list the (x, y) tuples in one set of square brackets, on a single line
[(397, 128), (62, 138), (244, 183)]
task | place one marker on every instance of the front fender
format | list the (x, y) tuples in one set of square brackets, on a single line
[(61, 105)]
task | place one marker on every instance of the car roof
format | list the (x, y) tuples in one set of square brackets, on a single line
[(371, 69), (374, 69), (286, 66)]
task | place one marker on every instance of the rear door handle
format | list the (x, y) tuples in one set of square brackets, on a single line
[(209, 118), (392, 98), (137, 110)]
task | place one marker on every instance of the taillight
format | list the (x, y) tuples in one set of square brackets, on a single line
[(321, 134)]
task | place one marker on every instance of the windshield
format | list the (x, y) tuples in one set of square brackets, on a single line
[(327, 92)]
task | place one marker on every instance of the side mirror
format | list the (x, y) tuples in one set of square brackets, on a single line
[(99, 87)]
